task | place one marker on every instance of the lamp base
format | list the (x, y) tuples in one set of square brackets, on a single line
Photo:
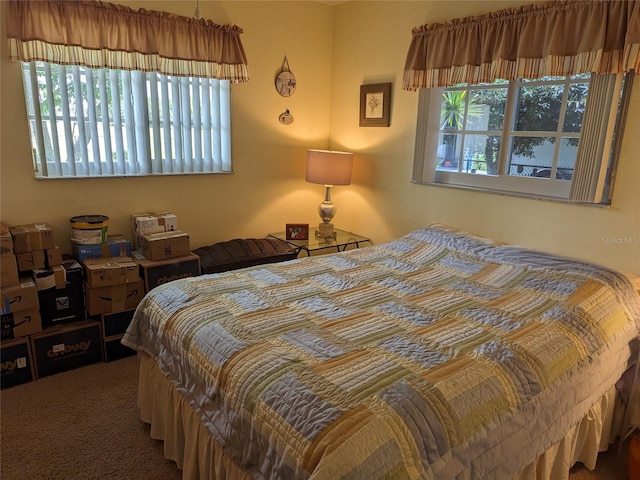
[(325, 230)]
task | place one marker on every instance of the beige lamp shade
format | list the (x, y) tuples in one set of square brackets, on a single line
[(327, 167)]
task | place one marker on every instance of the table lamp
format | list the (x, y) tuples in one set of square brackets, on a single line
[(328, 168)]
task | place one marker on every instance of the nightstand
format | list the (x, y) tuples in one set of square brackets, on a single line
[(341, 241)]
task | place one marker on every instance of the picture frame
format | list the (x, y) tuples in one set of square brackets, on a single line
[(375, 105), (297, 231)]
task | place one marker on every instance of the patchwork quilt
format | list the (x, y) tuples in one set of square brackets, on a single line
[(437, 355)]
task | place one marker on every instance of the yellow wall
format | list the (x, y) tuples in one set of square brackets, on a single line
[(371, 40), (267, 188), (332, 50)]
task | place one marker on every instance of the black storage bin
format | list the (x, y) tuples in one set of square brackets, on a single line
[(241, 253)]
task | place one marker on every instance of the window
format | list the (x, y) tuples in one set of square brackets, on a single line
[(104, 122), (542, 137)]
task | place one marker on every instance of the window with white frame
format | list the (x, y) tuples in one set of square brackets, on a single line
[(552, 137), (104, 122)]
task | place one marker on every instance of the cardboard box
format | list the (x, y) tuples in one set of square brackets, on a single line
[(161, 246), (6, 241), (22, 296), (20, 323), (116, 246), (156, 273), (54, 277), (64, 305), (9, 270), (115, 298), (148, 223), (66, 347), (115, 350), (104, 272), (114, 324), (29, 261), (8, 263), (35, 236), (53, 257), (16, 363)]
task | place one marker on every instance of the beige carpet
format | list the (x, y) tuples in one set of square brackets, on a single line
[(77, 425), (84, 424)]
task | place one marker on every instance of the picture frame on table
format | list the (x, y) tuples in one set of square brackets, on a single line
[(375, 105), (297, 231)]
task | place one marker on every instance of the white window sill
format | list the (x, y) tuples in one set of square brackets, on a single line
[(512, 194)]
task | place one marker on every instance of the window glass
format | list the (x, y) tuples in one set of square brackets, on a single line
[(528, 129), (479, 114), (576, 104)]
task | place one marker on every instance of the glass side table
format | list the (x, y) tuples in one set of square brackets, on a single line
[(341, 241)]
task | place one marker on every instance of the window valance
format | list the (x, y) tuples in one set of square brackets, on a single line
[(106, 35), (553, 38)]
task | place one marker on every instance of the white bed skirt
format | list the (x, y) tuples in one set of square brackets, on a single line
[(188, 442)]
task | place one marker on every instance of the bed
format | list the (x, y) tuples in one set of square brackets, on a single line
[(437, 355)]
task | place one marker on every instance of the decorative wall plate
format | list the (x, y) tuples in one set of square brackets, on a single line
[(286, 118), (285, 80)]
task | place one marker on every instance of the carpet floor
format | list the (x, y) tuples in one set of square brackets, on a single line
[(84, 424)]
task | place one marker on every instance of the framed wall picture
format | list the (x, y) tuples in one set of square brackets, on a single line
[(375, 105), (297, 231)]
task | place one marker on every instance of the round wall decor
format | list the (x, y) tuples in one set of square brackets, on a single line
[(286, 118), (285, 80)]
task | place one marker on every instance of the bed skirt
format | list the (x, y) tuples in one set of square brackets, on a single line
[(188, 442)]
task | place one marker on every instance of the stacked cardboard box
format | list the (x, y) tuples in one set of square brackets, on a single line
[(17, 295), (64, 347), (113, 284), (35, 247), (16, 361), (20, 310), (150, 223), (165, 245), (163, 252), (25, 248), (89, 239), (8, 262), (20, 318), (61, 314), (42, 298), (59, 290), (156, 273), (115, 246), (114, 325), (113, 290), (105, 295), (61, 294)]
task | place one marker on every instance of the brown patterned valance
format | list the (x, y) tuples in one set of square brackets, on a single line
[(105, 35), (553, 38)]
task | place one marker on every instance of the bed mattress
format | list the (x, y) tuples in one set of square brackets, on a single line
[(438, 355)]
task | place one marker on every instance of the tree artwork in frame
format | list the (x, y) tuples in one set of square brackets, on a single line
[(297, 231), (375, 103)]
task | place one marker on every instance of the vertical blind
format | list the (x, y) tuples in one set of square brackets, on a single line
[(115, 91), (135, 123), (596, 139)]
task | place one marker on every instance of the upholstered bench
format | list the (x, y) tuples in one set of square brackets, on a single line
[(243, 252)]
